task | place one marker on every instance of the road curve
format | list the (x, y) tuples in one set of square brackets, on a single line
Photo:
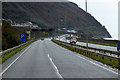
[(45, 59)]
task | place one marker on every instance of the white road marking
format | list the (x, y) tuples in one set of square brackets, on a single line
[(13, 62), (57, 71), (98, 65)]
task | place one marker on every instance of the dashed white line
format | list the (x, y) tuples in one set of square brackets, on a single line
[(57, 71), (98, 65), (13, 62)]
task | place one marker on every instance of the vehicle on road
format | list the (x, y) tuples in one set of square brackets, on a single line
[(73, 41), (42, 38)]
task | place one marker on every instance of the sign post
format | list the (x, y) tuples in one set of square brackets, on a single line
[(28, 32), (22, 37)]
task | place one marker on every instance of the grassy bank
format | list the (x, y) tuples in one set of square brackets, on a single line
[(111, 62), (106, 44), (6, 56)]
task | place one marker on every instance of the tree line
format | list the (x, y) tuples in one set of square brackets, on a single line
[(10, 35)]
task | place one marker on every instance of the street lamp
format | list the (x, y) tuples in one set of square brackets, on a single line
[(86, 5), (87, 33)]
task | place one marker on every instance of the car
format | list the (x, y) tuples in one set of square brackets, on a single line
[(73, 40), (42, 38)]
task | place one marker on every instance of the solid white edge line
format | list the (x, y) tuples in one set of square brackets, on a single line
[(57, 71), (13, 62), (98, 65)]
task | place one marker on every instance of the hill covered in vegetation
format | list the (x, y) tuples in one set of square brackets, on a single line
[(55, 15)]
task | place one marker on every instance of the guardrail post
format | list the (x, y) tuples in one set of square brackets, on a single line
[(102, 57), (118, 54), (96, 55), (110, 59), (110, 53)]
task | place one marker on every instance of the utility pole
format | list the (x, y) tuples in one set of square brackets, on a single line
[(87, 33), (66, 30), (86, 5)]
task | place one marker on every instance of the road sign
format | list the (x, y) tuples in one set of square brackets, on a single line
[(22, 37), (118, 46)]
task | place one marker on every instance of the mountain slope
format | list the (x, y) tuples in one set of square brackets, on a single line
[(56, 15)]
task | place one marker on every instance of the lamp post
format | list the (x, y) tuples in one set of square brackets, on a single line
[(66, 29), (86, 5), (87, 33)]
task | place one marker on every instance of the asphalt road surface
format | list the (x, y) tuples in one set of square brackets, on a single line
[(111, 48), (45, 59), (98, 46)]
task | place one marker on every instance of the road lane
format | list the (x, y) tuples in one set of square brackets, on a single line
[(98, 46), (111, 48), (35, 63), (71, 66)]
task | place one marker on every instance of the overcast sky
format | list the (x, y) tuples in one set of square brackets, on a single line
[(105, 11)]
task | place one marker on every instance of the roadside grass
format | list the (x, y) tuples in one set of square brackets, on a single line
[(6, 56), (111, 62), (106, 44)]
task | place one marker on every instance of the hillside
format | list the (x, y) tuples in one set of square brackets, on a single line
[(55, 15)]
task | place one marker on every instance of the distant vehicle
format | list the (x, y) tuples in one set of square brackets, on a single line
[(42, 38), (73, 40), (118, 46)]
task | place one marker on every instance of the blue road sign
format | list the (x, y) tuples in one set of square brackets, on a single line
[(118, 46), (22, 37)]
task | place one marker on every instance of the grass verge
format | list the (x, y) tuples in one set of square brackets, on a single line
[(106, 44), (6, 56), (111, 62)]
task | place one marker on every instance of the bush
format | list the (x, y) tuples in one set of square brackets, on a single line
[(10, 35)]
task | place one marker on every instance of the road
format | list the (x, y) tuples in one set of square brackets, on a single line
[(111, 48), (98, 46), (45, 59)]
